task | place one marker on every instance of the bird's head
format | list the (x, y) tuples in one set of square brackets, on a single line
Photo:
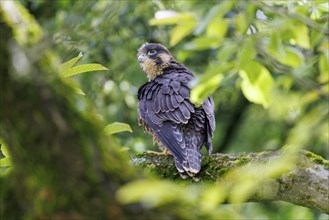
[(153, 58)]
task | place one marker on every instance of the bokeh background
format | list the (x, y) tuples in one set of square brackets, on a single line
[(110, 32), (288, 38)]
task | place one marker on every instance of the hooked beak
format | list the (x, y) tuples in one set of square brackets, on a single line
[(142, 58)]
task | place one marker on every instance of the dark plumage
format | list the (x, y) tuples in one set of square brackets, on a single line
[(166, 112)]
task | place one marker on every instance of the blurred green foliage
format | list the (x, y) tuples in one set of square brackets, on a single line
[(270, 53), (264, 62), (5, 160)]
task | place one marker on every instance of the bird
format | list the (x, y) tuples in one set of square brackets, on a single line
[(165, 110)]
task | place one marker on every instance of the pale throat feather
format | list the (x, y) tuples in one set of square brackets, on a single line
[(152, 69)]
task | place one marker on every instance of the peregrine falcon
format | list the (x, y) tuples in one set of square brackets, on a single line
[(165, 110)]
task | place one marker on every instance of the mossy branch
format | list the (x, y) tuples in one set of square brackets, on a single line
[(305, 183)]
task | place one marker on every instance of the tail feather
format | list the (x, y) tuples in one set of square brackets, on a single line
[(191, 164)]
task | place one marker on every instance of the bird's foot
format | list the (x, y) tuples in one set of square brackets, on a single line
[(163, 153)]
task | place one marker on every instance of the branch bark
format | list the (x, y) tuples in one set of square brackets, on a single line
[(306, 184)]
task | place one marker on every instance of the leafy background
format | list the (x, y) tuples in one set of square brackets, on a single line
[(264, 62), (215, 44)]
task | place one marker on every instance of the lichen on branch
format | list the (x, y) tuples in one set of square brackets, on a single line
[(301, 180)]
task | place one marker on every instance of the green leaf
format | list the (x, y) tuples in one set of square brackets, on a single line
[(244, 20), (289, 56), (276, 44), (227, 50), (180, 31), (212, 197), (67, 65), (324, 68), (246, 54), (84, 68), (218, 11), (202, 91), (203, 43), (323, 7), (75, 86), (256, 83), (116, 127), (4, 150), (175, 19), (78, 90), (217, 28), (301, 36), (292, 57), (147, 192), (5, 162), (209, 82), (242, 23), (315, 38)]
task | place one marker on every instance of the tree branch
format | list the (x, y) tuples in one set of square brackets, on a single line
[(305, 184)]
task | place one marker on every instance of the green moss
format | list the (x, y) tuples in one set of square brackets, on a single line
[(264, 153), (317, 159), (242, 160), (138, 154), (222, 171)]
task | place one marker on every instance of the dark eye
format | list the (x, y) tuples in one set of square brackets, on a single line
[(151, 52)]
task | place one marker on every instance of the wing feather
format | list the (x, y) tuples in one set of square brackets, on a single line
[(179, 97), (174, 101), (185, 112), (169, 103), (184, 92), (175, 85), (181, 127), (208, 107), (189, 106), (170, 137), (165, 89), (157, 106), (163, 105)]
